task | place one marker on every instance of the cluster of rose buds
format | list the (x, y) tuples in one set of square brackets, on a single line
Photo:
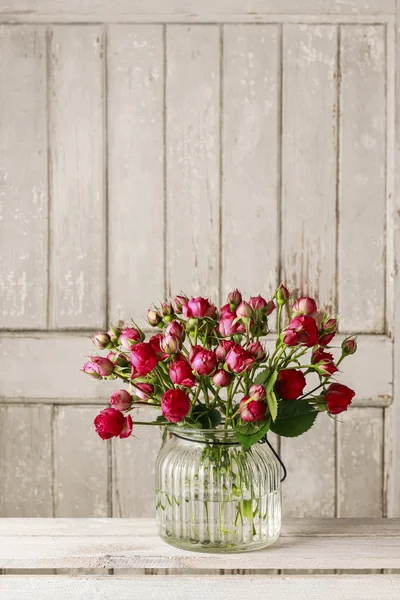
[(216, 359)]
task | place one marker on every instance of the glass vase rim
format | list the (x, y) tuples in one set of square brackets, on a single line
[(215, 435)]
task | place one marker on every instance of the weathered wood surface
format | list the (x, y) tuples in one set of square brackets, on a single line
[(23, 178), (138, 546), (364, 587)]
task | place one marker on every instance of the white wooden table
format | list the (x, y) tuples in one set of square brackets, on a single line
[(127, 546)]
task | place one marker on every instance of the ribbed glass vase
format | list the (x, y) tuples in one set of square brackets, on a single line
[(214, 496)]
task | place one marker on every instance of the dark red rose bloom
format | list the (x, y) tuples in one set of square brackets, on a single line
[(290, 384), (338, 398)]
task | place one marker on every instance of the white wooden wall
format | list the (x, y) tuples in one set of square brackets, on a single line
[(149, 147)]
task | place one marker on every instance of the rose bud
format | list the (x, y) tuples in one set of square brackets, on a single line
[(102, 340), (349, 345), (144, 390), (327, 332), (121, 400), (252, 410), (143, 358), (203, 362), (238, 359), (324, 361), (258, 302), (114, 333), (99, 365), (90, 369), (175, 328), (305, 306), (257, 392), (244, 310), (234, 299), (338, 398), (118, 358), (179, 302), (175, 405), (170, 344), (222, 349), (112, 423), (256, 350), (129, 336), (301, 330), (153, 317), (181, 373), (198, 308), (155, 343), (290, 384), (166, 309), (227, 326), (281, 294), (221, 378), (226, 308)]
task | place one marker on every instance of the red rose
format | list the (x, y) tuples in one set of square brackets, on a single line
[(221, 378), (143, 358), (121, 400), (327, 333), (112, 423), (198, 308), (98, 366), (202, 361), (305, 306), (290, 384), (349, 345), (238, 359), (181, 373), (155, 343), (338, 398), (129, 336), (252, 410), (324, 360), (301, 330), (175, 405)]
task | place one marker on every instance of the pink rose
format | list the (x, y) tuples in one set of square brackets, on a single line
[(176, 329), (198, 308), (170, 344), (301, 330), (252, 410), (305, 306), (203, 361), (121, 400), (227, 327), (222, 349), (102, 340), (180, 301), (181, 373), (112, 423), (129, 336), (98, 366), (256, 350), (234, 298), (244, 310), (144, 390), (155, 343), (238, 359), (221, 378), (257, 392), (175, 405), (143, 358)]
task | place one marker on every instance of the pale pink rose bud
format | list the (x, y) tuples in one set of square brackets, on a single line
[(166, 309), (256, 350), (114, 333), (282, 294), (100, 365), (144, 390), (179, 302), (244, 310), (129, 336), (102, 340), (121, 400), (221, 378), (171, 344), (234, 298), (90, 369), (349, 345), (305, 306), (175, 328), (257, 392), (153, 317)]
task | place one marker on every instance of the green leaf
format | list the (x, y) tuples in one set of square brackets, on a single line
[(295, 417), (248, 509), (272, 404), (251, 433), (161, 419), (208, 418), (262, 377), (272, 381)]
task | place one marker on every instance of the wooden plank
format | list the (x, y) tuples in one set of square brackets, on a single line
[(309, 160), (360, 463), (135, 168), (186, 10), (23, 191), (25, 461), (364, 587), (80, 464), (362, 194), (77, 257), (251, 90), (133, 469), (193, 151), (309, 490), (304, 527)]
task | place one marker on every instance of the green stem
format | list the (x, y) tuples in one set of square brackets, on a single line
[(150, 423), (279, 320)]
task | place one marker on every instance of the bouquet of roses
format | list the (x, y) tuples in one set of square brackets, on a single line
[(208, 368)]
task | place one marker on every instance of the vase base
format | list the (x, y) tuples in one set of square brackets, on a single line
[(210, 548)]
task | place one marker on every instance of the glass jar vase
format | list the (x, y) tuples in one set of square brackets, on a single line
[(215, 496)]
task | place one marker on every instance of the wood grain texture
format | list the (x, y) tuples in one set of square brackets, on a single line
[(133, 468), (80, 464), (193, 147), (78, 252), (25, 461), (135, 169), (250, 139), (23, 178), (140, 547), (362, 181), (364, 587), (360, 457), (309, 160)]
